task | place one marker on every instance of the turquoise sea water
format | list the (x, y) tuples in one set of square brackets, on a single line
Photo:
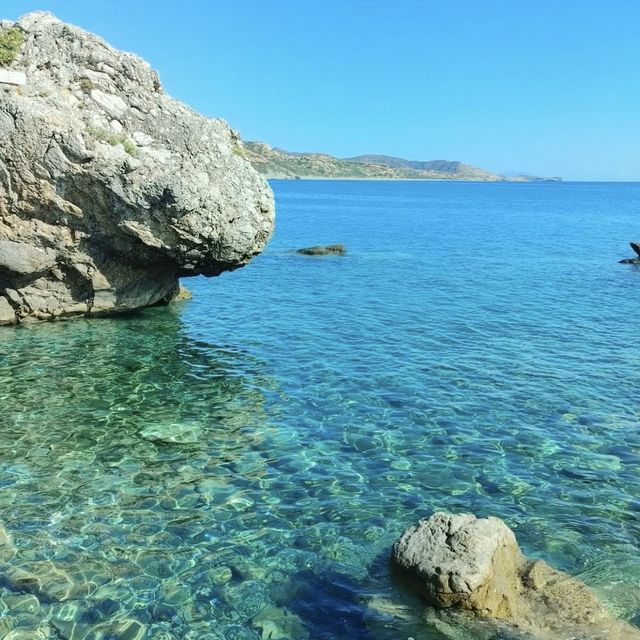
[(238, 466)]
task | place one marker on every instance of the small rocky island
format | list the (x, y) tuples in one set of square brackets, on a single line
[(323, 250), (110, 190), (636, 259), (475, 564)]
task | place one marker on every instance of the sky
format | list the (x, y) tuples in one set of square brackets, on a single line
[(539, 86)]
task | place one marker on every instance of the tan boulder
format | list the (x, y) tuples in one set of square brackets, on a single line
[(475, 564)]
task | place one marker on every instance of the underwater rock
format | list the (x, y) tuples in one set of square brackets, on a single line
[(125, 629), (175, 433), (476, 565), (110, 190), (7, 548), (278, 623), (336, 249), (27, 634), (22, 603), (47, 581)]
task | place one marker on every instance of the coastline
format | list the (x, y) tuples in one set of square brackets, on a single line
[(380, 179)]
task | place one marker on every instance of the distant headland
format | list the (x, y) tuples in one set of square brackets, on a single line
[(278, 163)]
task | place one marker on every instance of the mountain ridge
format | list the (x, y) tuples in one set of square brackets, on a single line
[(274, 162)]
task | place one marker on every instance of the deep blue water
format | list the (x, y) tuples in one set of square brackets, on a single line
[(477, 349)]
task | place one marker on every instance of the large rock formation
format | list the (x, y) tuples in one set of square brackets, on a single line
[(109, 189), (476, 565)]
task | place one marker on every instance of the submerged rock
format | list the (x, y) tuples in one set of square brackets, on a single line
[(109, 189), (173, 433), (476, 565), (636, 260), (277, 623), (337, 249), (47, 581), (7, 548)]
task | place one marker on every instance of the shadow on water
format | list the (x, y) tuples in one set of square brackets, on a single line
[(331, 604), (327, 603)]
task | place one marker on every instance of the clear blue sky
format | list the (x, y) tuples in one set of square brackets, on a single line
[(549, 87)]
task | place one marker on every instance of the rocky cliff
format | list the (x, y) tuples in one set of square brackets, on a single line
[(109, 189)]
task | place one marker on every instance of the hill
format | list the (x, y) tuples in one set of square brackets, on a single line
[(453, 168), (278, 163)]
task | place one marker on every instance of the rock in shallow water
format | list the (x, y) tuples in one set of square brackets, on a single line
[(475, 564), (109, 189), (635, 260), (330, 249)]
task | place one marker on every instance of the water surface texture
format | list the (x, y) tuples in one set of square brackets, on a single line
[(238, 466)]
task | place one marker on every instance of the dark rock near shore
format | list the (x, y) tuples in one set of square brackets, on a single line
[(110, 190), (476, 565), (319, 250), (636, 260)]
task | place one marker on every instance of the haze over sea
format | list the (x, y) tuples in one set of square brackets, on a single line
[(264, 444)]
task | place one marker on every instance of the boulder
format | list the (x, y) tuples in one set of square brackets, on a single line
[(475, 564), (336, 249), (7, 314), (635, 260), (110, 190)]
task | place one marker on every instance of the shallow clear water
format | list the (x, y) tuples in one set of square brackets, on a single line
[(237, 466)]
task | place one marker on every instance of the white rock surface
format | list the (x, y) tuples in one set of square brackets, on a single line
[(109, 189)]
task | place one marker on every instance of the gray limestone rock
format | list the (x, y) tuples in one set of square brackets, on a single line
[(319, 250), (7, 314), (476, 565), (110, 190)]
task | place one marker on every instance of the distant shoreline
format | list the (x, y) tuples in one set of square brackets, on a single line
[(279, 164), (378, 179)]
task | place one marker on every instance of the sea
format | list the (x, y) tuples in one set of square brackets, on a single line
[(238, 466)]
